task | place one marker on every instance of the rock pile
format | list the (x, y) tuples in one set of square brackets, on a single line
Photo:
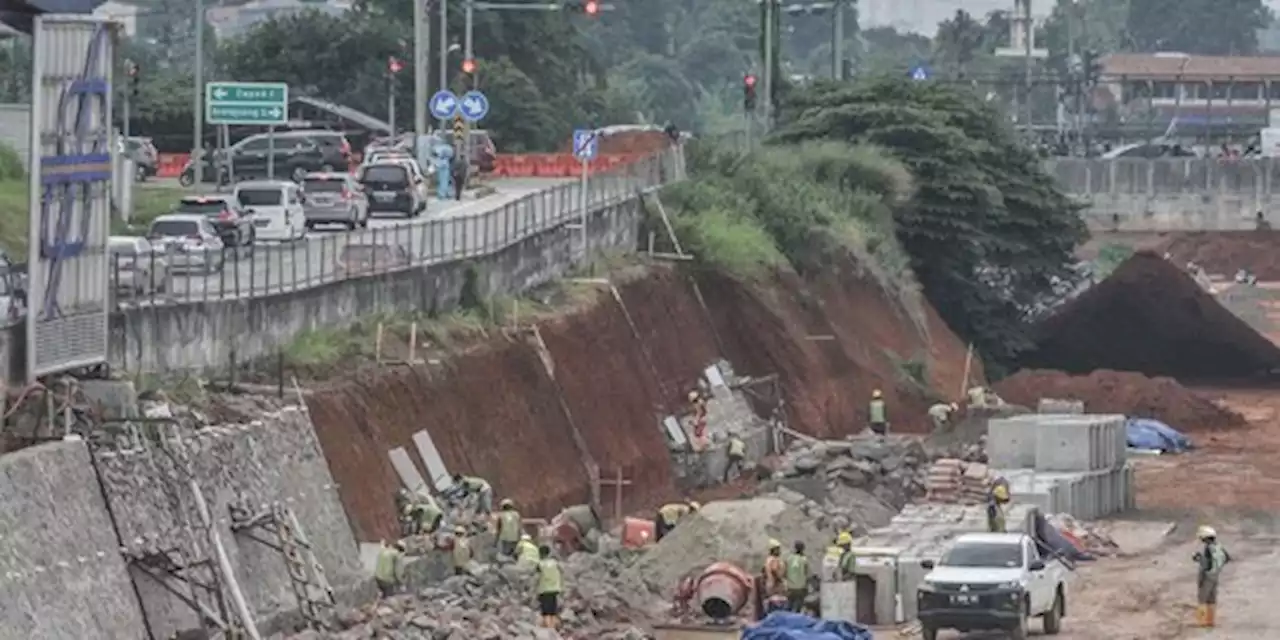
[(954, 481), (891, 469)]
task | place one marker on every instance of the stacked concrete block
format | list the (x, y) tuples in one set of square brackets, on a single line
[(1056, 406), (1011, 442), (1079, 442)]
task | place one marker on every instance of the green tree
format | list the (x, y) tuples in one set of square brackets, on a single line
[(988, 231), (1210, 27)]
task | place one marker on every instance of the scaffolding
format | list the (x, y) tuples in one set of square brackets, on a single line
[(310, 585)]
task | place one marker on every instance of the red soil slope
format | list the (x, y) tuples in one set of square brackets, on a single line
[(1225, 252), (496, 413)]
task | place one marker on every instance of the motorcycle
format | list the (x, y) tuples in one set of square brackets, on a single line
[(188, 175)]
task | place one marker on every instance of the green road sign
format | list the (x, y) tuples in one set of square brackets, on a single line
[(264, 103)]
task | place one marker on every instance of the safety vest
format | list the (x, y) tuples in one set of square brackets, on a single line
[(550, 579), (797, 572), (671, 513), (509, 525), (831, 563), (475, 485), (875, 412), (1217, 557), (773, 574), (737, 448), (461, 553), (527, 552), (425, 513), (388, 564), (848, 565)]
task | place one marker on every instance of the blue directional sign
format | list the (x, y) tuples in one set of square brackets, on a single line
[(920, 72), (475, 106), (443, 105), (586, 144)]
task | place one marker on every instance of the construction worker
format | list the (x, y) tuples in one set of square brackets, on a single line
[(425, 515), (977, 397), (479, 487), (831, 561), (941, 414), (669, 515), (527, 551), (996, 501), (698, 407), (737, 455), (877, 418), (550, 586), (389, 570), (508, 528), (462, 554), (774, 573), (848, 561), (1211, 559), (797, 578)]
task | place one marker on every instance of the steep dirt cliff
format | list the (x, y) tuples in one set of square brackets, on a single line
[(528, 407)]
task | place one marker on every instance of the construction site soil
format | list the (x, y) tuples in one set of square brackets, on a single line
[(1123, 392), (532, 410), (1225, 252), (1151, 316)]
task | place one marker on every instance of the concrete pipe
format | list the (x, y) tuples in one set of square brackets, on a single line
[(723, 590)]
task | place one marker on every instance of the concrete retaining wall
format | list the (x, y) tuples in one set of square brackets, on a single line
[(61, 574)]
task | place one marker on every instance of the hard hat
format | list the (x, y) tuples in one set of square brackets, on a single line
[(694, 505), (876, 393), (399, 545), (1205, 532), (774, 544), (460, 530), (844, 538), (693, 395), (955, 407), (507, 502), (1001, 492), (524, 537)]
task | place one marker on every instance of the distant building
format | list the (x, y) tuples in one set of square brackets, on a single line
[(122, 12), (229, 22), (1191, 91)]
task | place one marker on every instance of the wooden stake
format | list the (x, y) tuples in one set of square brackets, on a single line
[(968, 363), (377, 345), (413, 342)]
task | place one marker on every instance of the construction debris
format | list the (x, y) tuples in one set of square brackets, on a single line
[(892, 469), (1086, 536), (954, 481)]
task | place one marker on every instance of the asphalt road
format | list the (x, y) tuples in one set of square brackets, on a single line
[(449, 230)]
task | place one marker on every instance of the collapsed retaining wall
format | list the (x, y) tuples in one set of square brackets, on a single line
[(530, 412), (61, 574)]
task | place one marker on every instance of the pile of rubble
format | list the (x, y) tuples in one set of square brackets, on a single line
[(1088, 537), (891, 469), (497, 603), (954, 481)]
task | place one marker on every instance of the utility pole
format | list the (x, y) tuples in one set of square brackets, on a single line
[(444, 49), (837, 40), (421, 60), (197, 104), (1030, 35), (769, 6)]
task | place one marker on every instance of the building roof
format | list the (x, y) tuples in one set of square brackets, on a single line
[(1171, 66)]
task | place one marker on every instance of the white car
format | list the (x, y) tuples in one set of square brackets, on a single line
[(137, 267), (189, 241), (276, 207), (992, 581)]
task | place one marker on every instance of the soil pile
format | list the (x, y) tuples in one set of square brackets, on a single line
[(1128, 393), (1225, 252), (1150, 316)]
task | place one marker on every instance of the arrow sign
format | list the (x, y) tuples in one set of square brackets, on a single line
[(919, 73), (443, 105), (586, 143), (247, 103), (475, 106)]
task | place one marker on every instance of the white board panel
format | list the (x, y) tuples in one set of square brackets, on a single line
[(440, 477), (406, 469)]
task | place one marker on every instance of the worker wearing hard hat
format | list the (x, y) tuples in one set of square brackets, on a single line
[(527, 551), (877, 416), (425, 515), (797, 578), (388, 572), (1211, 558), (737, 451), (462, 554), (550, 586), (848, 562), (698, 408), (479, 487), (997, 500), (941, 414), (670, 515), (774, 572), (508, 528)]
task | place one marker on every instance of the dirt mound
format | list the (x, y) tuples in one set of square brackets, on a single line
[(1131, 394), (1150, 316), (1225, 252)]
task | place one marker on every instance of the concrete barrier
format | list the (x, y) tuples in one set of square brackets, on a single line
[(1051, 405), (1055, 442), (1087, 495)]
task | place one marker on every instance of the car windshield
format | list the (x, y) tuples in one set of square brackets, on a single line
[(389, 173), (174, 228), (987, 554), (260, 197), (322, 185), (205, 208)]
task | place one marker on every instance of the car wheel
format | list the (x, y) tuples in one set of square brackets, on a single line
[(928, 633), (328, 168), (1053, 618), (187, 178), (140, 173), (299, 174)]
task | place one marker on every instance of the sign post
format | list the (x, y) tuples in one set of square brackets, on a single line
[(248, 103), (474, 107), (586, 144)]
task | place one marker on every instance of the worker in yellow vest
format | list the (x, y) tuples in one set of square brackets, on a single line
[(550, 587), (507, 528), (671, 514), (462, 554), (848, 562), (797, 578), (877, 417), (737, 455), (389, 570), (527, 552)]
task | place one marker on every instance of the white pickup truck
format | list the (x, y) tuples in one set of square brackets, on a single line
[(992, 581)]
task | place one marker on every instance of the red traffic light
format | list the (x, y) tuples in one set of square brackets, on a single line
[(394, 65), (469, 66), (591, 7), (749, 80)]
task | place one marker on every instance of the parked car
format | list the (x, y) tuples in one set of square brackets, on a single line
[(144, 155), (365, 258), (392, 187), (137, 268), (190, 242), (293, 154), (334, 198), (276, 208), (420, 181), (233, 224)]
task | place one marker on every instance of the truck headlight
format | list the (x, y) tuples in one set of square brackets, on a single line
[(1014, 584)]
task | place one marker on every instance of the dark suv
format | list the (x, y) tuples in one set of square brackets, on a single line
[(295, 154)]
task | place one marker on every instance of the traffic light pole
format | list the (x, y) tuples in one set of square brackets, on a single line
[(444, 50), (769, 6), (837, 40), (421, 45)]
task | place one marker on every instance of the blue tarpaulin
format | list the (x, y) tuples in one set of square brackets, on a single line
[(784, 625), (1145, 433)]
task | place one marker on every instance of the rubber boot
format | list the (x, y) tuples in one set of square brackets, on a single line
[(1211, 615), (1202, 615)]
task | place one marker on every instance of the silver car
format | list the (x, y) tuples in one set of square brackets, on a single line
[(334, 198), (190, 242), (137, 268)]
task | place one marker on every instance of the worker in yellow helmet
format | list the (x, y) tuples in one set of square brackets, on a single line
[(550, 587), (877, 417), (774, 574), (388, 573), (527, 551), (1211, 558), (737, 451), (462, 554), (508, 528), (996, 504), (848, 562), (669, 515)]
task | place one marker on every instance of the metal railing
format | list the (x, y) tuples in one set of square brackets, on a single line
[(1166, 176), (184, 277)]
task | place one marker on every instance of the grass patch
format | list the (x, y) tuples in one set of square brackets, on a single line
[(1109, 257)]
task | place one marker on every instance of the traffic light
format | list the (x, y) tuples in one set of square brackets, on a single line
[(591, 7), (749, 92), (469, 66), (135, 77), (394, 65)]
